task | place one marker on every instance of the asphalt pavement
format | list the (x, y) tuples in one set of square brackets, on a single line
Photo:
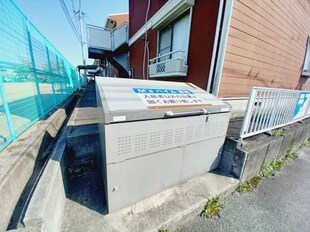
[(280, 203)]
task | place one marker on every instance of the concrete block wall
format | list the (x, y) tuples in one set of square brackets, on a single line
[(245, 161)]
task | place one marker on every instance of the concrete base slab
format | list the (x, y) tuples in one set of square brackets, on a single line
[(165, 209)]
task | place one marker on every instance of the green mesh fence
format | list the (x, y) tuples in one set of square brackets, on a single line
[(34, 77)]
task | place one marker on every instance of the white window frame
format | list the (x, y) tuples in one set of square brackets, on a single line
[(306, 66), (190, 12)]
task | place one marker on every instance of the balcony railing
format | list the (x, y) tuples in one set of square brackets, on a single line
[(107, 39), (172, 64)]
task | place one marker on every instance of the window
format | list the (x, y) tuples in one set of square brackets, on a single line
[(172, 49), (165, 43), (174, 39), (306, 68)]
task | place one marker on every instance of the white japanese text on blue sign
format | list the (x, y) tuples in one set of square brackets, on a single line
[(168, 97)]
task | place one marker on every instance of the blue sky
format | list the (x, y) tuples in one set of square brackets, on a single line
[(48, 17)]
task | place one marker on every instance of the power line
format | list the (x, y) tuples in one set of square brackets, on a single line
[(66, 12), (71, 23), (91, 21), (75, 14)]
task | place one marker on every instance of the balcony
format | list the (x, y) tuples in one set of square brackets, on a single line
[(172, 64), (104, 39)]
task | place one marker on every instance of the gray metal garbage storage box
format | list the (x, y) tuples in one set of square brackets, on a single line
[(156, 134)]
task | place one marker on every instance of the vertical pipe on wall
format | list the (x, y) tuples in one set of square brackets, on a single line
[(222, 46), (144, 65), (215, 45)]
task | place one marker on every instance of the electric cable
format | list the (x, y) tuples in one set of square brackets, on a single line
[(74, 13), (69, 19)]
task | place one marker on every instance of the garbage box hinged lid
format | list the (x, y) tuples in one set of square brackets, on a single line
[(133, 100)]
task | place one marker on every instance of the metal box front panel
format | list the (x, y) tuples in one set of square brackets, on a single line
[(129, 140), (139, 178)]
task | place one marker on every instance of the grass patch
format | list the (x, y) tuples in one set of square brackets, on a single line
[(164, 230), (244, 187), (291, 154), (249, 185), (278, 132), (266, 171), (305, 143), (276, 164), (212, 208), (255, 181), (269, 170)]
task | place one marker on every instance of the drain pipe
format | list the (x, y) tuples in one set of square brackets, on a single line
[(145, 41), (215, 45), (222, 46)]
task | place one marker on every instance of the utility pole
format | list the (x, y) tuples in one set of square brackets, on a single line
[(80, 15)]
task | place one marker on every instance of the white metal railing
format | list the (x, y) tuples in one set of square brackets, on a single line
[(269, 108), (105, 38), (169, 64), (119, 36), (168, 56), (99, 37)]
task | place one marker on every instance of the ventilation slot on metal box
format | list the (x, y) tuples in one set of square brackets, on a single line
[(124, 145), (155, 139), (198, 131), (207, 130), (214, 129), (189, 133), (168, 137), (140, 142), (179, 134)]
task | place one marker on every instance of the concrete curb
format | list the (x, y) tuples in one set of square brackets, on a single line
[(48, 200), (18, 160)]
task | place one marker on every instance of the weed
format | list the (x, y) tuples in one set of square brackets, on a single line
[(237, 118), (305, 143), (255, 181), (276, 164), (291, 154), (249, 185), (244, 187), (79, 92), (266, 171), (278, 132), (212, 209), (164, 230)]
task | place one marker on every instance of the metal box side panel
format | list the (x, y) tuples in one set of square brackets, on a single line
[(102, 137)]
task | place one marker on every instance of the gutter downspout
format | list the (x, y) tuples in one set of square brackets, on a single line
[(222, 47), (215, 45)]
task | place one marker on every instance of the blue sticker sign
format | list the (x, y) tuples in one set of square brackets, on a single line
[(302, 105), (167, 97), (161, 91)]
